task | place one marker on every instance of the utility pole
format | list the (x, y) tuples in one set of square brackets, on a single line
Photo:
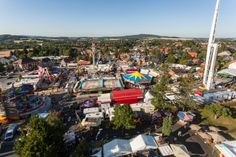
[(93, 52)]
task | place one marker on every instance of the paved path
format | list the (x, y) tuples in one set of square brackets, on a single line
[(9, 154), (194, 143)]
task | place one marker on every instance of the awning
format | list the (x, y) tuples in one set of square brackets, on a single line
[(227, 148), (179, 150), (165, 150)]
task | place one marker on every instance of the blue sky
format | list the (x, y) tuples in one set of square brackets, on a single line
[(185, 18)]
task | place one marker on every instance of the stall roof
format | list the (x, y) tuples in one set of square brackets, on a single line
[(127, 96), (165, 150), (179, 150), (117, 147), (127, 93), (148, 96), (142, 142), (104, 98), (91, 110), (227, 148), (227, 72), (186, 116)]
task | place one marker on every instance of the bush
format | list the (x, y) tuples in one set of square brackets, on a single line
[(166, 126), (216, 110)]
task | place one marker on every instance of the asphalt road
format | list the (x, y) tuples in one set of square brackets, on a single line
[(4, 80), (7, 147)]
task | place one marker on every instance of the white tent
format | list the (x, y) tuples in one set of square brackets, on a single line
[(217, 138), (91, 110), (179, 150), (165, 150), (232, 65), (104, 98), (148, 97), (227, 148), (230, 72), (117, 147), (224, 53), (142, 142)]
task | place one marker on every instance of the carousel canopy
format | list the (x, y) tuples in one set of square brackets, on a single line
[(137, 77)]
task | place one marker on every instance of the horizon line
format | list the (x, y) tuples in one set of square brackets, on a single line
[(112, 36)]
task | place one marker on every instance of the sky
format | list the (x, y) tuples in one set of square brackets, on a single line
[(77, 18)]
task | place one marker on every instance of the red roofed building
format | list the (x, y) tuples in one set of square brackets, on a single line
[(193, 54), (127, 96), (195, 61), (166, 50)]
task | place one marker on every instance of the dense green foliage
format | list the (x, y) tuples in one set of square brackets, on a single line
[(2, 68), (159, 91), (171, 58), (44, 138), (167, 126), (216, 110), (186, 86), (123, 117), (185, 59), (82, 150)]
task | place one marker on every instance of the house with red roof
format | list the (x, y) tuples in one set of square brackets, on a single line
[(193, 54)]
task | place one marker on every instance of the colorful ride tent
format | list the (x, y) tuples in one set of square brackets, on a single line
[(137, 78)]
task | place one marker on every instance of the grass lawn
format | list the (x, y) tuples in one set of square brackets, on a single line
[(228, 123)]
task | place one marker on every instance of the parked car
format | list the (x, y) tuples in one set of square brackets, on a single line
[(11, 131)]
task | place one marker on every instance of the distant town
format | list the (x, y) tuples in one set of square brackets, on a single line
[(137, 95)]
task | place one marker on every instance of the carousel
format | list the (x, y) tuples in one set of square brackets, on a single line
[(21, 103), (137, 79)]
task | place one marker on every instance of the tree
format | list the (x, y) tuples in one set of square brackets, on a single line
[(186, 85), (157, 57), (159, 91), (2, 68), (82, 150), (216, 110), (44, 138), (73, 53), (185, 59), (171, 58), (167, 126), (123, 117), (160, 102)]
